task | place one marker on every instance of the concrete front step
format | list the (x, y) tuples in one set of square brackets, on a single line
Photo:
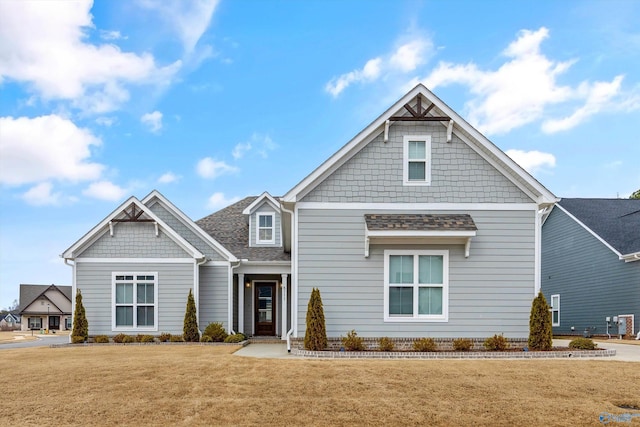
[(266, 340)]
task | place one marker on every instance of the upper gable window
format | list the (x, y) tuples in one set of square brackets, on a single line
[(417, 160), (266, 228)]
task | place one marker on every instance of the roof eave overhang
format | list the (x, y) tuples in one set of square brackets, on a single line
[(634, 256), (434, 237)]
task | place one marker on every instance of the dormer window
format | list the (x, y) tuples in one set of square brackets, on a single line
[(417, 160), (266, 228)]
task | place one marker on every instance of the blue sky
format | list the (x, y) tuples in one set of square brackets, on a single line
[(210, 101)]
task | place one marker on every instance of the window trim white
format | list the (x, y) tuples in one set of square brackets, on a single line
[(444, 317), (39, 318), (405, 159), (135, 327), (273, 228), (553, 309)]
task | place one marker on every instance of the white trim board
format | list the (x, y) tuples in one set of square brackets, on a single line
[(420, 206), (138, 260)]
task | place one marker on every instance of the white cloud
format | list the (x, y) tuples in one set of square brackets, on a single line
[(50, 53), (189, 19), (45, 148), (105, 190), (210, 168), (106, 121), (111, 35), (240, 150), (218, 201), (532, 161), (41, 195), (168, 178), (405, 58), (258, 143), (153, 121)]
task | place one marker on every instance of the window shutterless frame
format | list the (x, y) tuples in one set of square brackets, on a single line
[(265, 228), (416, 164), (555, 310), (134, 301)]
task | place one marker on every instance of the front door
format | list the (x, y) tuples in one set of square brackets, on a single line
[(54, 322), (265, 303)]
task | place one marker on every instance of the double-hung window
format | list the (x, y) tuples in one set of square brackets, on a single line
[(416, 285), (555, 310), (417, 160), (35, 322), (266, 228), (135, 298)]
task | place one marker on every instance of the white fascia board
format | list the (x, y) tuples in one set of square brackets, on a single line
[(189, 223), (420, 206), (635, 256), (593, 233), (104, 225), (420, 233), (258, 202)]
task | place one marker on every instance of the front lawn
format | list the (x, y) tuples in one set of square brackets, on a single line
[(205, 385)]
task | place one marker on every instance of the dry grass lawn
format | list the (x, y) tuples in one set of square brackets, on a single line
[(15, 336), (205, 385)]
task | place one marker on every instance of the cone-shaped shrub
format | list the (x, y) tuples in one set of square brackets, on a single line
[(315, 337), (190, 330), (80, 324), (540, 331)]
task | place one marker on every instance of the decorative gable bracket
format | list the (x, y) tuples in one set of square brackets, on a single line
[(418, 115), (131, 215)]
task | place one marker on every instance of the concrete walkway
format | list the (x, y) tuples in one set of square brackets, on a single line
[(624, 352)]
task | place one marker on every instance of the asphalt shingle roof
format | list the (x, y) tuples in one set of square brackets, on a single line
[(428, 222), (29, 293), (230, 227), (616, 221)]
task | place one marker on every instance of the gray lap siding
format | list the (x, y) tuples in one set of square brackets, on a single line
[(214, 294), (94, 280), (489, 292)]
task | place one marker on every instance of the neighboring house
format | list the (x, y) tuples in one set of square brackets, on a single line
[(418, 226), (10, 321), (45, 307), (591, 266)]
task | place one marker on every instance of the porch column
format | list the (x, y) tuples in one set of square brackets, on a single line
[(241, 302), (283, 291)]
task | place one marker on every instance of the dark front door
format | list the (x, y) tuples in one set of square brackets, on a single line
[(54, 322), (265, 304)]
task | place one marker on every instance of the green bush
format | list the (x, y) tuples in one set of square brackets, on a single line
[(216, 332), (190, 328), (235, 338), (315, 336), (145, 338), (583, 344), (462, 344), (128, 339), (119, 338), (496, 343), (164, 337), (425, 344), (176, 338), (77, 339), (101, 339), (352, 342), (205, 338), (385, 344), (80, 324), (540, 331)]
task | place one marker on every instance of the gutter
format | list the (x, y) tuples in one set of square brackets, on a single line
[(294, 277), (73, 292), (197, 291), (230, 298)]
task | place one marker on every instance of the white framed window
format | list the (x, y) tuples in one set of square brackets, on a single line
[(67, 323), (417, 160), (265, 227), (416, 286), (555, 310), (35, 322), (135, 301)]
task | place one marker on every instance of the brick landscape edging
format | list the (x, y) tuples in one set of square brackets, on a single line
[(452, 354)]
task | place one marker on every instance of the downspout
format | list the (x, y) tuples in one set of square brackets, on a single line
[(197, 290), (294, 278), (230, 299), (73, 292)]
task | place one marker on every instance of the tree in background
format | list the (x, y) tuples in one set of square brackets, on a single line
[(540, 331), (190, 330), (635, 195), (315, 336), (80, 331)]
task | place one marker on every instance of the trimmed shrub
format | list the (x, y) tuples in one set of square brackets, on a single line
[(119, 338), (496, 343), (352, 342), (462, 344), (80, 324), (164, 337), (583, 344), (128, 339), (176, 338), (235, 338), (540, 331), (425, 344), (76, 339), (385, 344), (101, 339), (205, 338), (146, 338), (190, 330), (315, 336), (216, 332)]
